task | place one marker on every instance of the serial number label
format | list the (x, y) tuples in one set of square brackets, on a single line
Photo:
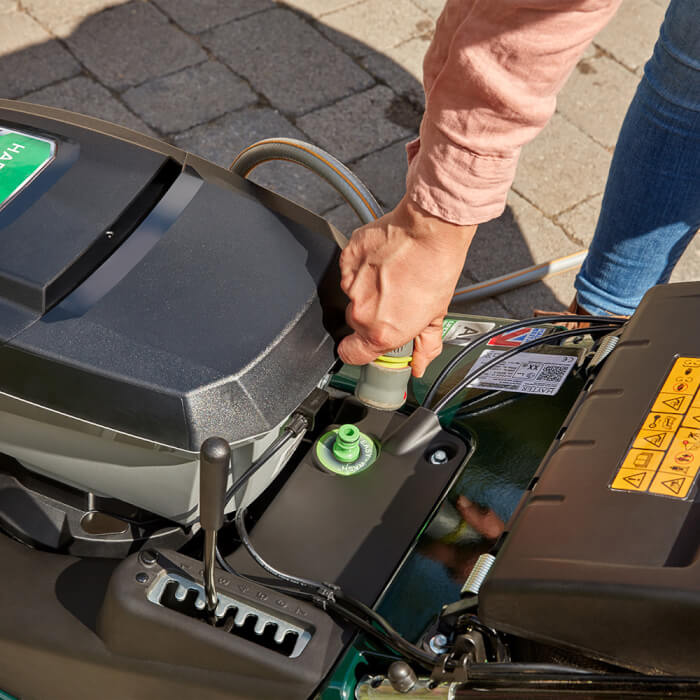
[(524, 373)]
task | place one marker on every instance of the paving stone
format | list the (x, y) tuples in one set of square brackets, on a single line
[(580, 222), (222, 140), (65, 16), (384, 172), (596, 98), (360, 124), (432, 7), (491, 307), (317, 8), (29, 57), (553, 294), (561, 167), (688, 267), (520, 237), (631, 35), (303, 70), (81, 94), (179, 101), (343, 218), (375, 24), (401, 68), (210, 13), (130, 44)]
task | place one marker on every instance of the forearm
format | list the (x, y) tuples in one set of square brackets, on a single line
[(491, 77)]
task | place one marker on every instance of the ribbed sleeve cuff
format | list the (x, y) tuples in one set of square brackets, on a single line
[(455, 184)]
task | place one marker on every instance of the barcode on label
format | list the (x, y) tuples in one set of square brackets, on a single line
[(552, 373)]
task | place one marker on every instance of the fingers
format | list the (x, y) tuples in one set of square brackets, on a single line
[(356, 350), (426, 347), (483, 520)]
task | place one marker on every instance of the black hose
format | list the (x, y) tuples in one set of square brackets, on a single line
[(483, 337), (471, 376)]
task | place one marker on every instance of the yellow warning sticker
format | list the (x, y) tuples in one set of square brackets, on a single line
[(653, 439), (632, 480), (664, 455), (657, 420), (638, 460), (692, 418), (674, 486), (673, 403)]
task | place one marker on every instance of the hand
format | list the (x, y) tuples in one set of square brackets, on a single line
[(482, 519), (400, 273)]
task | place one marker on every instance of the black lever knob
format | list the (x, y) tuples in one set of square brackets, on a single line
[(214, 458)]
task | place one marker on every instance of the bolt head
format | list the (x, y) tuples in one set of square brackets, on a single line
[(142, 577), (147, 557), (439, 456)]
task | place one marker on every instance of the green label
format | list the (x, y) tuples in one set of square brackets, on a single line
[(22, 158)]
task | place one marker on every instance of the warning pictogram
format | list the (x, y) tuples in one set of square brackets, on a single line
[(656, 440), (671, 403), (664, 457), (653, 439), (674, 485), (632, 480), (635, 480), (675, 403), (512, 339), (667, 485)]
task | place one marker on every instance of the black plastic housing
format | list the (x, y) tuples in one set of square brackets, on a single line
[(613, 574), (132, 270)]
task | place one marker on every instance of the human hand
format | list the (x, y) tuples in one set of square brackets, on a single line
[(400, 273)]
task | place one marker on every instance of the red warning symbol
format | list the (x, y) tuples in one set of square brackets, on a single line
[(684, 458), (635, 479), (674, 485), (680, 387)]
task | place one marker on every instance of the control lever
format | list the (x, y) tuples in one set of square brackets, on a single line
[(214, 459)]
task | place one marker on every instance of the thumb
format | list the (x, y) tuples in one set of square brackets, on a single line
[(427, 346), (356, 350)]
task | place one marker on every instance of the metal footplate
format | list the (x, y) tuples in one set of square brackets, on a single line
[(232, 615)]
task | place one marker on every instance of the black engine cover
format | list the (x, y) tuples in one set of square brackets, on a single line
[(149, 291)]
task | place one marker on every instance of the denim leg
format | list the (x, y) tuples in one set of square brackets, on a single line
[(651, 206)]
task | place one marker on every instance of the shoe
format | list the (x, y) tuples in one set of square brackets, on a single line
[(576, 309)]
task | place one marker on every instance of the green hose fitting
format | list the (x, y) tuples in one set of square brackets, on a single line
[(346, 450), (346, 447)]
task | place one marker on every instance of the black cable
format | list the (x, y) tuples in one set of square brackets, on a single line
[(483, 337), (472, 375)]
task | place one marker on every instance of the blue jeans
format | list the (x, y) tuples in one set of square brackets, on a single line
[(651, 206)]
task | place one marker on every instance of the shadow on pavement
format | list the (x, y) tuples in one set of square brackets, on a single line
[(213, 85)]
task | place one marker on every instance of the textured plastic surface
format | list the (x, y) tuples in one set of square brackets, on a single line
[(613, 574), (198, 337)]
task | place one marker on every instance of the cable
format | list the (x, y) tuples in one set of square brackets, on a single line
[(483, 337), (471, 376)]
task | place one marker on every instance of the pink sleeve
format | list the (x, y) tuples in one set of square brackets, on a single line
[(491, 76)]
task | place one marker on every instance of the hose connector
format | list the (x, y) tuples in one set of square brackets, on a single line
[(383, 383)]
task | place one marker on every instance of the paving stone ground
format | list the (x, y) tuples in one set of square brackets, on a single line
[(213, 76)]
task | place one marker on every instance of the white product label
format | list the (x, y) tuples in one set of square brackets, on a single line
[(525, 373), (459, 332)]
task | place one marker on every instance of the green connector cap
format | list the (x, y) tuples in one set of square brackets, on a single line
[(346, 447)]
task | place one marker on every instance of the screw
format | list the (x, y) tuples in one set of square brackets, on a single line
[(439, 456), (438, 644), (148, 557), (109, 234), (142, 577)]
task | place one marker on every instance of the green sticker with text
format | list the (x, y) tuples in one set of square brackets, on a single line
[(22, 158)]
